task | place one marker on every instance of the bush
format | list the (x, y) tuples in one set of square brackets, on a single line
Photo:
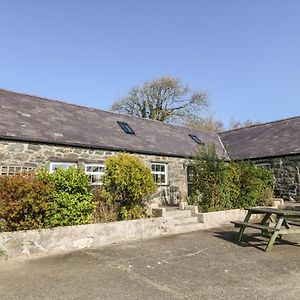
[(24, 202), (220, 185), (231, 186), (129, 183), (71, 202), (135, 211), (208, 179), (127, 179), (254, 183), (105, 211)]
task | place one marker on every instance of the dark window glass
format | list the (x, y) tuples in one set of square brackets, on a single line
[(196, 139), (126, 128)]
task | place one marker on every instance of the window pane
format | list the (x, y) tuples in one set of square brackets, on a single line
[(95, 173), (95, 169)]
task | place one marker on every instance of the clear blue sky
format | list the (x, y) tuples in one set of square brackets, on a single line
[(246, 54)]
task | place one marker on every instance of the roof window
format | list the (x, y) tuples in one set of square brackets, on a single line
[(196, 139), (126, 128)]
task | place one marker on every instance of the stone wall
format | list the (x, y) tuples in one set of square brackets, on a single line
[(58, 240), (35, 155), (286, 171)]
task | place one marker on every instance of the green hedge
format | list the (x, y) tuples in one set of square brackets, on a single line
[(129, 183), (72, 200), (220, 185), (43, 200)]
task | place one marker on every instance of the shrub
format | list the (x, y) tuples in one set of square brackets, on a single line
[(232, 186), (219, 185), (135, 211), (24, 202), (208, 177), (105, 211), (71, 202), (196, 199), (128, 180), (255, 182)]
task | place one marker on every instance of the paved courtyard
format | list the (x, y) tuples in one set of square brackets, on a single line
[(199, 265)]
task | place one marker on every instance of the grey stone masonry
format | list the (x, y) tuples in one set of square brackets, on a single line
[(286, 171), (35, 155)]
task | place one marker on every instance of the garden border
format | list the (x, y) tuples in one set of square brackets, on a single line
[(34, 243)]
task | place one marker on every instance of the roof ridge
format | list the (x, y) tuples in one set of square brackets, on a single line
[(107, 111), (260, 124)]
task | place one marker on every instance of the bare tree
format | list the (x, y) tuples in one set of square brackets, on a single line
[(165, 99), (238, 124), (208, 124)]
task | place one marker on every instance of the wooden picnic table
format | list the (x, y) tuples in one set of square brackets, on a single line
[(275, 222)]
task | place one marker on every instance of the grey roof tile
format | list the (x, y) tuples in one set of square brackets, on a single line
[(277, 138), (32, 118)]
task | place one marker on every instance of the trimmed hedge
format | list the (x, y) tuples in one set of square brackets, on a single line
[(24, 202), (128, 183), (72, 200), (220, 185), (43, 200)]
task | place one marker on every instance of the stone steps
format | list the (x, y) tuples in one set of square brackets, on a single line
[(178, 213), (184, 221)]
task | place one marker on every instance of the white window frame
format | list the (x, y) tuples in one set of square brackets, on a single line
[(160, 172), (55, 164), (13, 170), (100, 174), (263, 165)]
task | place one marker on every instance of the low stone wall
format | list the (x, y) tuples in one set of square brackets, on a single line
[(32, 243), (66, 239), (221, 218)]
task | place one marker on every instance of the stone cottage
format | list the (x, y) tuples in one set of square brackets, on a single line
[(37, 132), (274, 145)]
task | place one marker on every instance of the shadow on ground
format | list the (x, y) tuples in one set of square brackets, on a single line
[(255, 240)]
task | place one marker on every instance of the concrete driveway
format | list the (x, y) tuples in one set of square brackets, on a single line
[(199, 265)]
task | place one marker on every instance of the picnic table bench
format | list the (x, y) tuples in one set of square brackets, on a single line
[(275, 222)]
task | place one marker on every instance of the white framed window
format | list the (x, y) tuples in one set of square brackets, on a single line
[(63, 165), (160, 173), (95, 172), (263, 165), (13, 170)]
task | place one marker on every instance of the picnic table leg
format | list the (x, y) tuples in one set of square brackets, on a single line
[(274, 234), (247, 218), (265, 219)]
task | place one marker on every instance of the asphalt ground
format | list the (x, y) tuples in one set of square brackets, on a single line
[(198, 265)]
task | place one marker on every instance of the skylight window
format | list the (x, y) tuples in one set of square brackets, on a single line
[(196, 139), (126, 128)]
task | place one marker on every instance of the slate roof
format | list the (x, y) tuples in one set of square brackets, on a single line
[(30, 118), (275, 138)]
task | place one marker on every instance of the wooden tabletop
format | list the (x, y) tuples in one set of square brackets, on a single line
[(276, 211)]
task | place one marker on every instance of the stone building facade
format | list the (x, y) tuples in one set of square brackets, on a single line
[(274, 145), (286, 170), (37, 132), (16, 156)]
